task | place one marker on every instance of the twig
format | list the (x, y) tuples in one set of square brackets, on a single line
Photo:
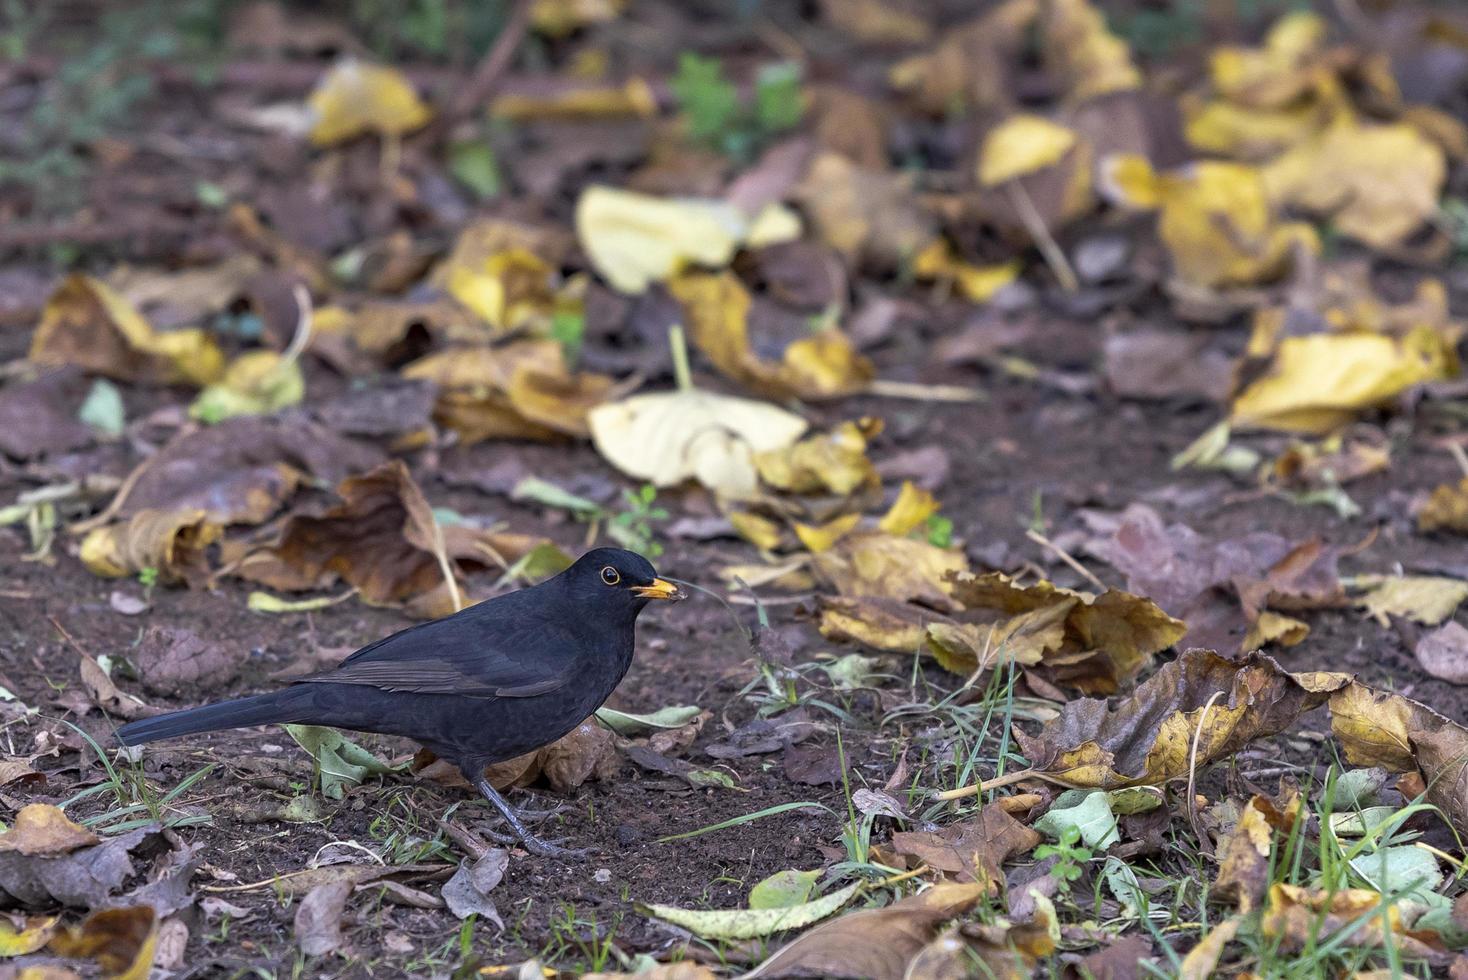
[(917, 391), (469, 842), (1459, 457), (1193, 771), (1009, 778), (491, 69), (1049, 248), (1066, 557), (440, 552)]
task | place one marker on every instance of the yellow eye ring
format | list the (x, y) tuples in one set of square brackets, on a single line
[(610, 575)]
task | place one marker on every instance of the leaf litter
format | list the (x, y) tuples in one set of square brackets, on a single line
[(1240, 255)]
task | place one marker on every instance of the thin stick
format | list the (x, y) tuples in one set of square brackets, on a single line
[(490, 70), (1066, 557), (678, 348), (1009, 778), (924, 393), (440, 552), (120, 497), (1049, 248), (1459, 457), (1193, 770)]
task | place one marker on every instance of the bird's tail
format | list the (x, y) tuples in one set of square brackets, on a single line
[(262, 709)]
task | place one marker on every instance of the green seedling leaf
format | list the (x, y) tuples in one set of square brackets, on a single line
[(475, 165), (751, 923), (103, 409), (712, 778), (547, 494), (1089, 813), (624, 723), (1359, 823), (1134, 799), (1123, 884), (343, 763), (302, 809), (1357, 788), (851, 671), (783, 889)]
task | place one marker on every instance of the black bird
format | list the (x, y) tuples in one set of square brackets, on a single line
[(486, 684)]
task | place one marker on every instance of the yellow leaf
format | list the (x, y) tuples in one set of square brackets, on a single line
[(1446, 509), (29, 938), (870, 563), (823, 537), (355, 98), (1273, 627), (964, 648), (557, 18), (43, 830), (1320, 381), (1243, 872), (1424, 599), (634, 239), (1020, 145), (867, 215), (1247, 133), (976, 283), (1216, 220), (1276, 74), (762, 532), (508, 290), (1092, 60), (1377, 182), (668, 437), (910, 510), (255, 383), (87, 324), (883, 624), (1296, 917), (716, 309), (633, 98), (123, 941), (835, 461), (174, 542)]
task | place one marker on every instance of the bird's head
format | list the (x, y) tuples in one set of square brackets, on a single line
[(618, 581)]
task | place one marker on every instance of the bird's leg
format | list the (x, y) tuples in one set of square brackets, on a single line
[(532, 843)]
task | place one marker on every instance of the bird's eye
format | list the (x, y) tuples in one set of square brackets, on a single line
[(610, 575)]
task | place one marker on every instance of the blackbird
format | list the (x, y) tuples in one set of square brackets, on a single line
[(488, 683)]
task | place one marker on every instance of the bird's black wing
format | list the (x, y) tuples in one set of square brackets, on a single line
[(511, 658)]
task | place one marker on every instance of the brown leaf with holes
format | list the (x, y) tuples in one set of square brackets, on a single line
[(974, 850), (1195, 710)]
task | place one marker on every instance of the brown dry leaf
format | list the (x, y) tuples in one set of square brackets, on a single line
[(174, 542), (105, 693), (1331, 462), (873, 564), (1446, 509), (970, 67), (507, 290), (1203, 958), (633, 98), (318, 922), (1378, 183), (1167, 364), (1272, 627), (88, 325), (1426, 599), (42, 830), (587, 752), (519, 390), (834, 462), (873, 943), (39, 418), (878, 21), (716, 310), (869, 217), (1295, 917), (973, 850), (1401, 735), (1215, 218), (242, 470), (1201, 699), (1104, 639), (884, 624), (1443, 653), (381, 539), (123, 941), (682, 970), (1079, 46), (173, 660), (1001, 950), (1243, 873), (355, 98)]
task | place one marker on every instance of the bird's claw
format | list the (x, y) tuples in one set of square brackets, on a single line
[(545, 848)]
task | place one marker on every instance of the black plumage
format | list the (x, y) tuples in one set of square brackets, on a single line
[(486, 684)]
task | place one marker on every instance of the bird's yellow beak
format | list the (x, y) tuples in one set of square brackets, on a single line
[(659, 589)]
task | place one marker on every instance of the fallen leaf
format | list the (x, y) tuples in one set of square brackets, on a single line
[(1203, 958), (822, 364), (869, 217), (834, 461), (877, 22), (973, 850), (634, 240), (467, 892), (975, 283), (123, 941), (970, 66), (884, 624), (31, 935), (752, 923), (88, 325), (909, 511), (1002, 949), (1296, 916), (1423, 599), (353, 98), (1166, 364), (509, 290), (318, 922), (175, 660), (255, 383), (1049, 164), (1215, 219), (783, 889), (1193, 711), (341, 763), (1319, 382), (873, 943), (586, 752), (86, 877), (870, 563), (1446, 509), (1078, 45), (42, 830), (666, 438), (1243, 873), (174, 543), (40, 417), (1443, 653), (627, 724)]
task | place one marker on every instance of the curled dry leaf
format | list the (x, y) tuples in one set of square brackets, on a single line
[(88, 876), (973, 850), (1007, 951), (1091, 642), (122, 941), (587, 752), (1244, 868), (884, 566), (175, 660), (318, 920), (39, 418), (634, 240), (822, 364), (1295, 916), (1401, 735), (355, 98), (875, 943), (467, 892), (752, 923), (668, 437), (1193, 711), (88, 325), (829, 462), (1048, 164), (42, 830), (174, 542), (868, 216)]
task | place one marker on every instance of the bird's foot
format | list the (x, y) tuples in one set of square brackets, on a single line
[(538, 846), (520, 834)]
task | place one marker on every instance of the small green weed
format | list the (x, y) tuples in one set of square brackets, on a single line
[(718, 118), (1071, 858)]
